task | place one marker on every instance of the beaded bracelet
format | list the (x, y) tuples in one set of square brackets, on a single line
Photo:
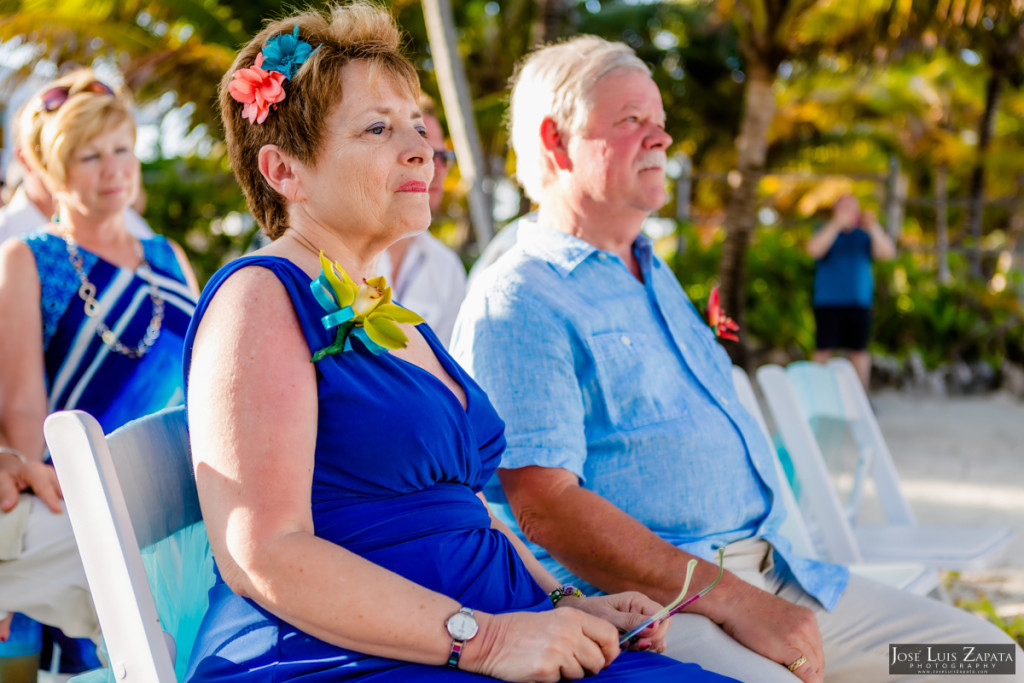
[(565, 591), (16, 454)]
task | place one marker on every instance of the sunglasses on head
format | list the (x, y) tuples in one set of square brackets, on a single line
[(54, 98), (445, 156)]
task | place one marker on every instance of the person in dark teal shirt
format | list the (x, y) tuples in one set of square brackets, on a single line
[(844, 250)]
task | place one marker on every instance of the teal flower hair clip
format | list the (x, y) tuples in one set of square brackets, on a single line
[(286, 53)]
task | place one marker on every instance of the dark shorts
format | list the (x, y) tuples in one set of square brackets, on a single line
[(842, 327)]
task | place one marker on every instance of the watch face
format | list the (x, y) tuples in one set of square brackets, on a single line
[(462, 626)]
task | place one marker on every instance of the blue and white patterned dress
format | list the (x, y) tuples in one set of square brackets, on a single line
[(82, 372)]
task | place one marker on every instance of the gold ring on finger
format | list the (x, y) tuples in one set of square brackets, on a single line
[(797, 664)]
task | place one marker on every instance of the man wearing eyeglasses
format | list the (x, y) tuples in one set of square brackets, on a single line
[(425, 275), (628, 452)]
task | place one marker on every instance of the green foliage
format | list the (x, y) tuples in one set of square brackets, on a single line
[(963, 320), (856, 83), (779, 280), (984, 608), (780, 277), (187, 200), (183, 46)]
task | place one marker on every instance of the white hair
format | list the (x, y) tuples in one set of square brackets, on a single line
[(557, 81)]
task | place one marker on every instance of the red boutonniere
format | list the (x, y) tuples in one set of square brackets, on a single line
[(723, 326)]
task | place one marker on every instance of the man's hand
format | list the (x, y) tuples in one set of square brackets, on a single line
[(34, 476), (869, 221), (882, 247), (775, 628)]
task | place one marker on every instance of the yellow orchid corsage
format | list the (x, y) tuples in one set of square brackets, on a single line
[(363, 311)]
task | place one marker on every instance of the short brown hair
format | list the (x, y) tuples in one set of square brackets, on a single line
[(340, 35), (48, 139)]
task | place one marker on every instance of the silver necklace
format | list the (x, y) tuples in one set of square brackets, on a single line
[(87, 292)]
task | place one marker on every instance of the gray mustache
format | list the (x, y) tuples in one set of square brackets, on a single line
[(652, 159)]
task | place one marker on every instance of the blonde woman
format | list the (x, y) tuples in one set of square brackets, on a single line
[(91, 318)]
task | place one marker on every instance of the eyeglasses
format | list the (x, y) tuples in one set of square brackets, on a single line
[(445, 156), (54, 98)]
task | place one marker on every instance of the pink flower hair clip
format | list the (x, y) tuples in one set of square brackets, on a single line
[(260, 89)]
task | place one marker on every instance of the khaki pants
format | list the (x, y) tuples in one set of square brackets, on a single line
[(46, 581), (856, 634)]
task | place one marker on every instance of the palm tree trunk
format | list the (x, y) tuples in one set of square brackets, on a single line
[(458, 108), (942, 223), (550, 21), (741, 207), (1015, 234), (976, 196)]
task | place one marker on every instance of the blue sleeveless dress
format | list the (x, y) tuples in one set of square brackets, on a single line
[(398, 463), (83, 373)]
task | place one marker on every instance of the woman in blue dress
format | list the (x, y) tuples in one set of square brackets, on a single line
[(91, 318), (342, 496)]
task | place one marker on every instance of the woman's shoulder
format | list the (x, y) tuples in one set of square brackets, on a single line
[(258, 266), (252, 276), (48, 249), (41, 238), (19, 258), (160, 254)]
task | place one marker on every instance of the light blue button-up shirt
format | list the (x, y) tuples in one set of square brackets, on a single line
[(623, 383)]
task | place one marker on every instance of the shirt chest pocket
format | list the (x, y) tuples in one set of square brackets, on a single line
[(638, 379)]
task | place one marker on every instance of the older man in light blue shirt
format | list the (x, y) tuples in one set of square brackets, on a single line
[(636, 366), (628, 452)]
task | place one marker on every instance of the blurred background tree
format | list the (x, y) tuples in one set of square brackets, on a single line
[(778, 105)]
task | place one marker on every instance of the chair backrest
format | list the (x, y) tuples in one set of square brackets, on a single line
[(124, 493), (793, 528), (816, 485), (823, 404), (868, 436)]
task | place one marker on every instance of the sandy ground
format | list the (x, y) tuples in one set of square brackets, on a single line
[(961, 461)]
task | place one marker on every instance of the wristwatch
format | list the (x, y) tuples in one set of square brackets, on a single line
[(461, 627)]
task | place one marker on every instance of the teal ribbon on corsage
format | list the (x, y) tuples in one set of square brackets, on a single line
[(362, 311)]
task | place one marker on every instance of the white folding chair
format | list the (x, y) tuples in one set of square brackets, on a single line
[(125, 493), (846, 538), (908, 576), (794, 528)]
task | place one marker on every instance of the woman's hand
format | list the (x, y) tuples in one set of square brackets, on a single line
[(563, 644), (34, 476), (5, 627), (626, 611)]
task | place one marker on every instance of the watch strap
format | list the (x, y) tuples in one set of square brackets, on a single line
[(457, 645), (456, 653)]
